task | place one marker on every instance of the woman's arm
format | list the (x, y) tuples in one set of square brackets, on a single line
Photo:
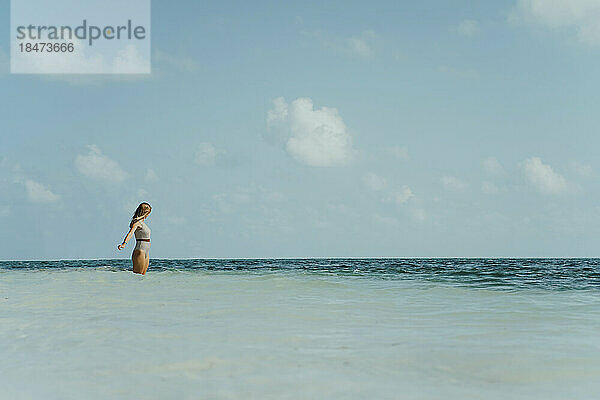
[(128, 236)]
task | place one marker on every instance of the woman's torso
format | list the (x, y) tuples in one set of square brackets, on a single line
[(142, 231)]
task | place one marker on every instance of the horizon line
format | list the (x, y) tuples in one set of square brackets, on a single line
[(322, 258)]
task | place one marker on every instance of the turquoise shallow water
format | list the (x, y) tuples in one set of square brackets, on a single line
[(301, 329)]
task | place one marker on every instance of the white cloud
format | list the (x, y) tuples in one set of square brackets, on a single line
[(38, 193), (4, 211), (453, 183), (129, 61), (492, 166), (379, 184), (403, 195), (543, 177), (362, 45), (97, 166), (206, 155), (580, 16), (399, 152), (489, 188), (468, 27), (582, 169), (317, 138), (375, 182), (151, 175)]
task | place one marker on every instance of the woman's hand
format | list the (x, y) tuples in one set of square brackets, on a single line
[(127, 237)]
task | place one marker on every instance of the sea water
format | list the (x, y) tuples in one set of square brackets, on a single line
[(301, 329)]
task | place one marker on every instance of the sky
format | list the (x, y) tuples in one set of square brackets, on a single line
[(304, 129)]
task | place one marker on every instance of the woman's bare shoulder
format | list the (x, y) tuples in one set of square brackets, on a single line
[(136, 225)]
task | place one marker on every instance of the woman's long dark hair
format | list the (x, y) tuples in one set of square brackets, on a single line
[(140, 213)]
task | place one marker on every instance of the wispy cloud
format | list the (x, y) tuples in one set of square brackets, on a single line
[(580, 17), (462, 73), (180, 63), (403, 195), (492, 167), (581, 168), (453, 183), (39, 193), (206, 155), (389, 193), (130, 61), (363, 45), (468, 28), (489, 188), (375, 182), (97, 166)]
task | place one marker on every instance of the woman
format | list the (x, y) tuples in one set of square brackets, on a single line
[(141, 252)]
